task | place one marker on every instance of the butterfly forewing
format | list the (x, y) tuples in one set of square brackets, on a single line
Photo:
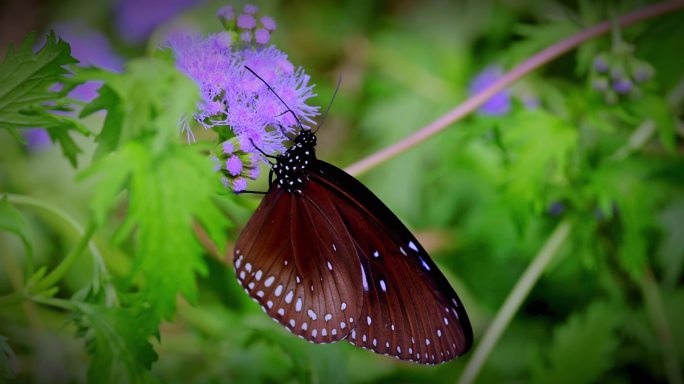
[(298, 277), (409, 309)]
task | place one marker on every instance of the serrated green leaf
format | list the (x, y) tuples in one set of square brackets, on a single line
[(655, 108), (583, 348), (627, 188), (6, 357), (538, 146), (169, 183), (25, 78), (110, 136), (13, 221), (118, 341)]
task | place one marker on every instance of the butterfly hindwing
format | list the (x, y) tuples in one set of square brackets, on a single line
[(409, 309)]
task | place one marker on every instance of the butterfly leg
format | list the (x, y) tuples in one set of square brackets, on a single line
[(262, 152), (270, 187)]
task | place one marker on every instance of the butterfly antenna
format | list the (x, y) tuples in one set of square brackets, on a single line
[(337, 88), (276, 95)]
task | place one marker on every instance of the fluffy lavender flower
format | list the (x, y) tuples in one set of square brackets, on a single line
[(268, 23), (250, 9), (261, 36), (246, 21), (234, 165), (500, 103), (234, 97), (246, 37), (226, 13)]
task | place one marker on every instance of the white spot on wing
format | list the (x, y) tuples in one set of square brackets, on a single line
[(248, 267), (343, 325), (281, 312), (305, 326), (423, 263), (257, 275), (269, 304), (327, 317), (269, 281), (329, 266), (412, 246), (298, 305), (311, 314), (383, 286), (343, 306), (279, 290), (288, 297), (376, 254), (402, 251), (368, 320), (363, 275)]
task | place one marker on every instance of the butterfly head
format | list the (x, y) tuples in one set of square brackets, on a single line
[(290, 167)]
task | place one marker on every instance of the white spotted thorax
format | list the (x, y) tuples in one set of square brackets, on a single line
[(290, 167)]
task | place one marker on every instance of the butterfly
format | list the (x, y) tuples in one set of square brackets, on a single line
[(325, 258)]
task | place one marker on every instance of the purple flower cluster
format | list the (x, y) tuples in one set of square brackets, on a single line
[(234, 97), (500, 103), (619, 73)]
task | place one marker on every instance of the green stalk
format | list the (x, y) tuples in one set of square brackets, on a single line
[(656, 314), (514, 300), (58, 273)]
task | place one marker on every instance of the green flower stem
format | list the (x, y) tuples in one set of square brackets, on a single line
[(656, 313), (529, 65), (58, 273), (514, 300)]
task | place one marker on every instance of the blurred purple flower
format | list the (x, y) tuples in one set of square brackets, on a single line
[(600, 65), (500, 103), (226, 13), (250, 9), (90, 47), (261, 36), (37, 139), (246, 21), (268, 23), (622, 86), (136, 19)]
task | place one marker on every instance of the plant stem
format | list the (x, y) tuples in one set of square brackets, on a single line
[(656, 313), (58, 273), (32, 202), (514, 300), (529, 65)]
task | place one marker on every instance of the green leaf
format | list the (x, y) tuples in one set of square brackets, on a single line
[(6, 357), (583, 348), (25, 79), (655, 107), (169, 184), (538, 146), (110, 136), (117, 340), (13, 221), (629, 187)]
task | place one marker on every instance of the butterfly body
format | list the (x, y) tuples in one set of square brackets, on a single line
[(328, 260)]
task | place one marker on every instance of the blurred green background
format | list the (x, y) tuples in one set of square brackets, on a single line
[(482, 197)]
